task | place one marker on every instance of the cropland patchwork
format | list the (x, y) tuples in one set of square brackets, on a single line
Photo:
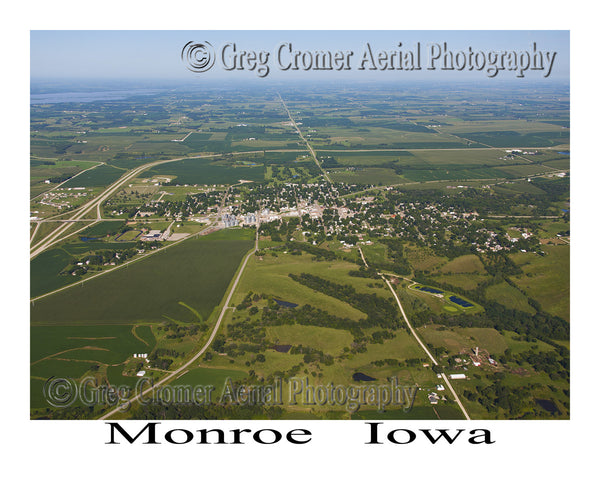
[(302, 253)]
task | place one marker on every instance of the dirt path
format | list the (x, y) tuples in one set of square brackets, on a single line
[(133, 332), (69, 350)]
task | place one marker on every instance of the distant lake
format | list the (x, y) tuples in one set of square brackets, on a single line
[(84, 97)]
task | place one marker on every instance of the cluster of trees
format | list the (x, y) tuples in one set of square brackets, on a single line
[(68, 413), (555, 365), (179, 331), (235, 349), (499, 263), (159, 358), (380, 311), (247, 330), (380, 335), (395, 251), (60, 178), (178, 411), (498, 395), (247, 301), (278, 231), (96, 259), (363, 272), (319, 253), (312, 355), (392, 362), (193, 204), (306, 315)]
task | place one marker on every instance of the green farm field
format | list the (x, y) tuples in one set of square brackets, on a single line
[(206, 172), (100, 176), (76, 352), (196, 272), (45, 272), (367, 176)]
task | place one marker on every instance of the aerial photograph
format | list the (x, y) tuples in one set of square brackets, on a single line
[(290, 225)]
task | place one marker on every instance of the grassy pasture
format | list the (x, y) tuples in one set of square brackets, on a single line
[(456, 339), (422, 258), (329, 340), (546, 278), (560, 163), (270, 276), (102, 229), (209, 376), (463, 264), (509, 296), (401, 347), (468, 281), (419, 412), (374, 253)]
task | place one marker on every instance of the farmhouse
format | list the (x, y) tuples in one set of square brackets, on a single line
[(433, 398)]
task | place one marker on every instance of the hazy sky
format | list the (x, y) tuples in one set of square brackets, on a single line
[(157, 54)]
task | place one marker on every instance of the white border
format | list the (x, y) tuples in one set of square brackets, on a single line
[(549, 449)]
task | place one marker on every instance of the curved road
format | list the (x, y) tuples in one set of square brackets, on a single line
[(181, 369)]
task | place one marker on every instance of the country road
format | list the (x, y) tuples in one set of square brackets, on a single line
[(79, 214), (416, 337), (208, 342), (310, 149)]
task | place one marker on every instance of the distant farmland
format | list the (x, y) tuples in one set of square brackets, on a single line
[(96, 177), (196, 272), (203, 172)]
